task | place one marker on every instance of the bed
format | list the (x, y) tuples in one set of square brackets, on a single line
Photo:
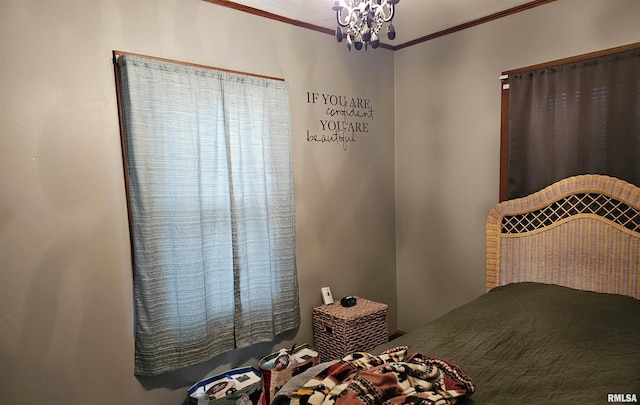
[(560, 321)]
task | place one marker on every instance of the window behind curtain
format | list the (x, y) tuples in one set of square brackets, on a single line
[(572, 117), (211, 210)]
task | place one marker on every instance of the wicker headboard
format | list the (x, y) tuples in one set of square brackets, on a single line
[(581, 232)]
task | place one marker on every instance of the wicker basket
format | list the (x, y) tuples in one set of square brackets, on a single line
[(338, 330)]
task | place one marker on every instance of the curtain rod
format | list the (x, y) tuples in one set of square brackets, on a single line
[(117, 54), (573, 59)]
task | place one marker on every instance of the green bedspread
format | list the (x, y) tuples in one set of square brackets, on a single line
[(530, 343)]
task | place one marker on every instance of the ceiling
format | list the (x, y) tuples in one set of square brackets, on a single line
[(414, 19)]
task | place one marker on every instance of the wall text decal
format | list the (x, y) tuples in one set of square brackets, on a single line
[(342, 118)]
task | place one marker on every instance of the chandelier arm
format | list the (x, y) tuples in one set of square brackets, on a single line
[(391, 13), (340, 23), (339, 7), (384, 9), (347, 19)]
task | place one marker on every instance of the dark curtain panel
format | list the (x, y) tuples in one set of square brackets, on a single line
[(576, 118)]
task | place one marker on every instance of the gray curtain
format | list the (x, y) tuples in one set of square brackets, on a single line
[(576, 118), (210, 187)]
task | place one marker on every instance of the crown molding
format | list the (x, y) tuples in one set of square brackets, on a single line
[(451, 30)]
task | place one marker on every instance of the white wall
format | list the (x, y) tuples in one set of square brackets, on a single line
[(447, 139), (66, 312)]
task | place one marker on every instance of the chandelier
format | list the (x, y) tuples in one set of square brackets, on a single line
[(360, 21)]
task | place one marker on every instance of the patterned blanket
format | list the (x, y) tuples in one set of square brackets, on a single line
[(392, 378)]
